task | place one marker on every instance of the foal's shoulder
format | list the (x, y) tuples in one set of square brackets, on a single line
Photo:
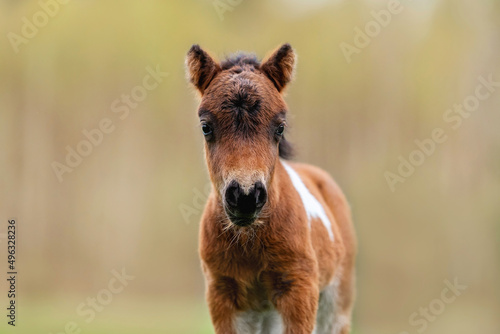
[(334, 198), (311, 172), (318, 177)]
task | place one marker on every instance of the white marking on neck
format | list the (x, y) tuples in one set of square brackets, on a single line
[(313, 208)]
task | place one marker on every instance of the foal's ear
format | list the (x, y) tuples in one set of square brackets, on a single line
[(280, 65), (200, 67)]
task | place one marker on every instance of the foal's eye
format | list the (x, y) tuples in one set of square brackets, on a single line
[(206, 129), (280, 130)]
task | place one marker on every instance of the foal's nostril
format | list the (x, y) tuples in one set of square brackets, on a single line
[(232, 194), (260, 195)]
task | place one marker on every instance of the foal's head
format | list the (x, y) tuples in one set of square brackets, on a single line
[(243, 119)]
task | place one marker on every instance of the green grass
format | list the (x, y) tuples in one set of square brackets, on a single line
[(124, 317), (132, 317)]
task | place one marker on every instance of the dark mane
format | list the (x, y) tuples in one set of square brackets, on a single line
[(240, 59)]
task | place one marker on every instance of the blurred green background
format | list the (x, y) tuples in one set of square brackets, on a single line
[(135, 201)]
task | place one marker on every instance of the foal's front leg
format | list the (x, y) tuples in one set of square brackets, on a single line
[(295, 297), (222, 303)]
